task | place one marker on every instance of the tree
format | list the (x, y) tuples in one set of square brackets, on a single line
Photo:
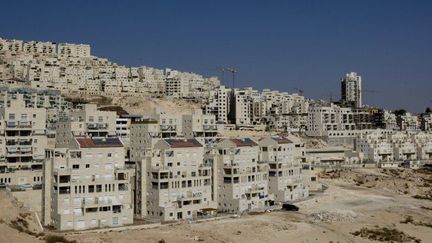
[(428, 110), (400, 112)]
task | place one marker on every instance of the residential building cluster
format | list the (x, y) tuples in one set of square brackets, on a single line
[(71, 68), (387, 146), (178, 168), (97, 168), (251, 108)]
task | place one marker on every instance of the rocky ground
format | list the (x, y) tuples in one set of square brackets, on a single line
[(414, 183)]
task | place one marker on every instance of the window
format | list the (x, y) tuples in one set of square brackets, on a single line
[(87, 165), (75, 167), (109, 154), (12, 116)]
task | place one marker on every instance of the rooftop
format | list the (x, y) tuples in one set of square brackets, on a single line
[(99, 142), (282, 140), (242, 142), (183, 143)]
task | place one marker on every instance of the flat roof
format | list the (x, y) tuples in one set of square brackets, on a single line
[(183, 143), (243, 142), (99, 142)]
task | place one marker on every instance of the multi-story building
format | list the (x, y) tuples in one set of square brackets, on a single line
[(220, 104), (170, 124), (73, 50), (390, 121), (423, 143), (285, 179), (242, 178), (173, 182), (144, 133), (86, 120), (351, 90), (426, 122), (404, 148), (71, 68), (408, 122), (326, 118), (55, 104), (23, 142), (123, 128), (199, 126), (374, 147), (87, 185)]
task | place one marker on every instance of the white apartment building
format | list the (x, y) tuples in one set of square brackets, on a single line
[(48, 48), (71, 68), (73, 50), (351, 89), (243, 110), (86, 120), (173, 182), (219, 104), (403, 145), (87, 185), (390, 121), (375, 147), (284, 157), (151, 81), (144, 133), (13, 46), (200, 126), (242, 178), (170, 124), (408, 122), (426, 122), (328, 118), (177, 84), (423, 143), (23, 142)]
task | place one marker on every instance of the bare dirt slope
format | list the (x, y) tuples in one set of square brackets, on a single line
[(140, 105), (17, 224)]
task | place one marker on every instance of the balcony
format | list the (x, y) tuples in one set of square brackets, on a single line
[(209, 127), (97, 126), (18, 151), (18, 125), (168, 128), (255, 189)]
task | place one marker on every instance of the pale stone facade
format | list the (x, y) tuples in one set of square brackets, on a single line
[(87, 185)]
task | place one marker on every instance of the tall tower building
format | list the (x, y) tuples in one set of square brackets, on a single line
[(351, 90)]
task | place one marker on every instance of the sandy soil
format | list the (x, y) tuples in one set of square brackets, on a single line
[(11, 211)]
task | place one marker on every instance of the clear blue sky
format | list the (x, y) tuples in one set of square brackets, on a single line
[(274, 44)]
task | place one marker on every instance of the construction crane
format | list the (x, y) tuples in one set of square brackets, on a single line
[(233, 71), (222, 69), (301, 91)]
